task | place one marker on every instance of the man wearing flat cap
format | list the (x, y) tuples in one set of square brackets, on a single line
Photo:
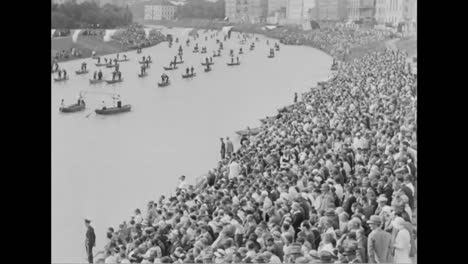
[(90, 240), (378, 242)]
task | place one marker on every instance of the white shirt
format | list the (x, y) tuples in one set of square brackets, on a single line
[(138, 219), (339, 191), (234, 170), (183, 184), (111, 260)]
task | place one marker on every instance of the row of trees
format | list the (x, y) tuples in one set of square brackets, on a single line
[(71, 15), (202, 9)]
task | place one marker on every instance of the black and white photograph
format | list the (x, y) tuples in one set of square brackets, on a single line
[(233, 131)]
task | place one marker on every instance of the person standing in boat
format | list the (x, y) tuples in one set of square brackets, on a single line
[(95, 75), (56, 66), (191, 70), (211, 59), (187, 71), (120, 75), (100, 75), (144, 59), (62, 104), (119, 101), (149, 58), (103, 105), (60, 74), (180, 57), (125, 57), (64, 74), (237, 60), (113, 75), (99, 60), (80, 99), (117, 66), (232, 60), (143, 69), (207, 61)]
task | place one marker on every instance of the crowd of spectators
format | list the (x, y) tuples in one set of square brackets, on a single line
[(134, 37), (67, 54), (61, 33), (330, 179), (93, 32)]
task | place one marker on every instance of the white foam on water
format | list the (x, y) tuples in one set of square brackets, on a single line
[(75, 35), (109, 34)]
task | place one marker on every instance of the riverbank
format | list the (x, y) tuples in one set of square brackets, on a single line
[(123, 41), (340, 42)]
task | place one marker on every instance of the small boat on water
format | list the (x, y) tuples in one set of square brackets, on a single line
[(249, 132), (111, 66), (233, 64), (114, 81), (207, 69), (164, 84), (114, 110), (72, 108), (61, 79), (271, 56), (195, 51), (170, 68), (142, 75), (101, 64), (203, 52), (204, 63), (216, 55), (81, 72), (189, 75), (144, 62), (95, 81)]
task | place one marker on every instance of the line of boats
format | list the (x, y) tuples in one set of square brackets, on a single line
[(103, 111)]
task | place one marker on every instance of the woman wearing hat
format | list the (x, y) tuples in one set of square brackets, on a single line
[(402, 243)]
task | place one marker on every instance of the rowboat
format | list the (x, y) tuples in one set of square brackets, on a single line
[(144, 62), (94, 81), (233, 64), (143, 75), (61, 79), (113, 110), (114, 81), (164, 84), (111, 65), (249, 132), (72, 108), (204, 63), (170, 69), (203, 52), (207, 69), (217, 55), (241, 52), (195, 51), (81, 72), (271, 56), (189, 75), (101, 64)]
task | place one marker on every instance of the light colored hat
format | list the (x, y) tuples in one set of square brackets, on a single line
[(374, 219), (382, 198), (398, 222)]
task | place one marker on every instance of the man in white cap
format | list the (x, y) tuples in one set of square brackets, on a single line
[(378, 242)]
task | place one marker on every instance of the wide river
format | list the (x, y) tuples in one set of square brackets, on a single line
[(104, 167)]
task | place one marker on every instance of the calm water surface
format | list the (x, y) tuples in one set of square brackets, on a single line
[(103, 167)]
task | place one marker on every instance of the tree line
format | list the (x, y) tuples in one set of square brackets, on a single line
[(71, 15)]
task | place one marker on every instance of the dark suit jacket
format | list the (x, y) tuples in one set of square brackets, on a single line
[(90, 237)]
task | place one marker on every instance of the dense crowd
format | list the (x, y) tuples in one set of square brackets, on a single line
[(67, 54), (93, 32), (336, 40), (330, 179), (61, 33), (134, 37)]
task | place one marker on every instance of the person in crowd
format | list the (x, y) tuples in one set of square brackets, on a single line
[(90, 241)]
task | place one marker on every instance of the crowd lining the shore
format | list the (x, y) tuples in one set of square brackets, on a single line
[(330, 179), (134, 37)]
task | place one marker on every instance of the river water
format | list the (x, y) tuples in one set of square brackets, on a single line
[(104, 167)]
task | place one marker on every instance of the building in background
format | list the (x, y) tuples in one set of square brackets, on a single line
[(159, 10), (399, 14), (332, 10), (275, 6), (246, 11), (300, 11), (359, 10)]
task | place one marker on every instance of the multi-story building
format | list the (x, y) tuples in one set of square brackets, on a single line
[(331, 10), (276, 6), (299, 11), (159, 10), (400, 14), (361, 9), (252, 11)]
